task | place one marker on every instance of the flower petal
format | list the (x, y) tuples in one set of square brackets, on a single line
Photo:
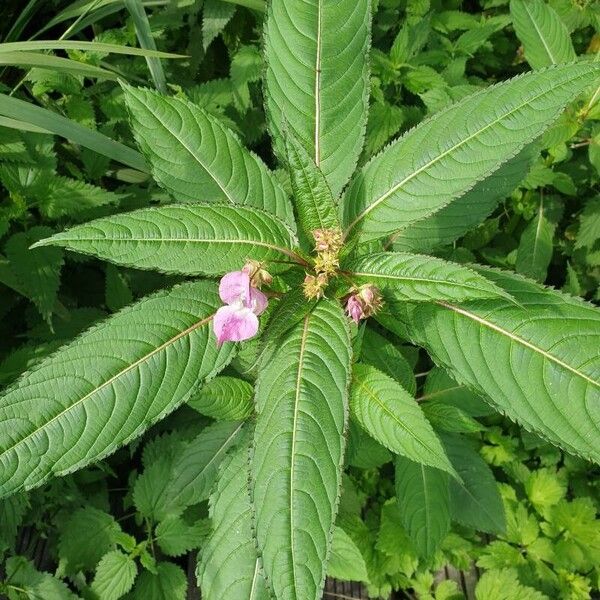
[(258, 301), (354, 309), (233, 324), (235, 286)]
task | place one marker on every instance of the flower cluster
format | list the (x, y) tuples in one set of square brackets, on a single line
[(363, 302)]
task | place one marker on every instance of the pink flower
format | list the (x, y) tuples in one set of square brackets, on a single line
[(354, 309), (239, 319)]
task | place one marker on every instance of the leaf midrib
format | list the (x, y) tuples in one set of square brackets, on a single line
[(317, 132), (74, 241), (303, 339), (518, 340), (396, 187), (538, 31), (109, 381), (472, 286)]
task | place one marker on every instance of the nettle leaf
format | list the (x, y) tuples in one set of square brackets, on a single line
[(317, 80), (420, 278), (54, 421), (85, 537), (345, 561), (545, 38), (423, 495), (202, 239), (475, 502), (198, 159), (169, 583), (115, 575), (446, 155), (296, 468), (215, 16), (463, 214), (224, 398), (28, 582), (229, 565), (392, 416), (312, 195), (36, 273), (519, 356), (176, 537)]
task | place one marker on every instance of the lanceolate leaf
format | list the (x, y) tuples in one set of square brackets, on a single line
[(229, 564), (346, 562), (317, 79), (545, 37), (198, 159), (468, 211), (423, 494), (195, 470), (390, 415), (302, 405), (108, 386), (475, 502), (519, 356), (420, 278), (445, 156), (224, 398), (208, 239), (312, 195), (535, 247)]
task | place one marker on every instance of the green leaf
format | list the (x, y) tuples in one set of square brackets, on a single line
[(345, 561), (476, 502), (440, 387), (363, 451), (382, 354), (176, 537), (207, 239), (13, 510), (54, 421), (224, 398), (117, 292), (446, 155), (85, 537), (22, 575), (519, 356), (544, 36), (504, 585), (423, 495), (184, 472), (144, 36), (589, 225), (169, 583), (54, 63), (447, 417), (61, 196), (33, 45), (468, 211), (420, 278), (385, 121), (312, 196), (215, 16), (317, 80), (296, 468), (36, 271), (392, 416), (41, 118), (115, 575), (229, 564), (197, 159), (536, 246), (195, 470)]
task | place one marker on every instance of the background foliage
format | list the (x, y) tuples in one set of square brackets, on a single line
[(132, 524)]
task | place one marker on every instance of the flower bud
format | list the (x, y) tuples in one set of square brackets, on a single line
[(363, 302), (258, 275), (314, 285)]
